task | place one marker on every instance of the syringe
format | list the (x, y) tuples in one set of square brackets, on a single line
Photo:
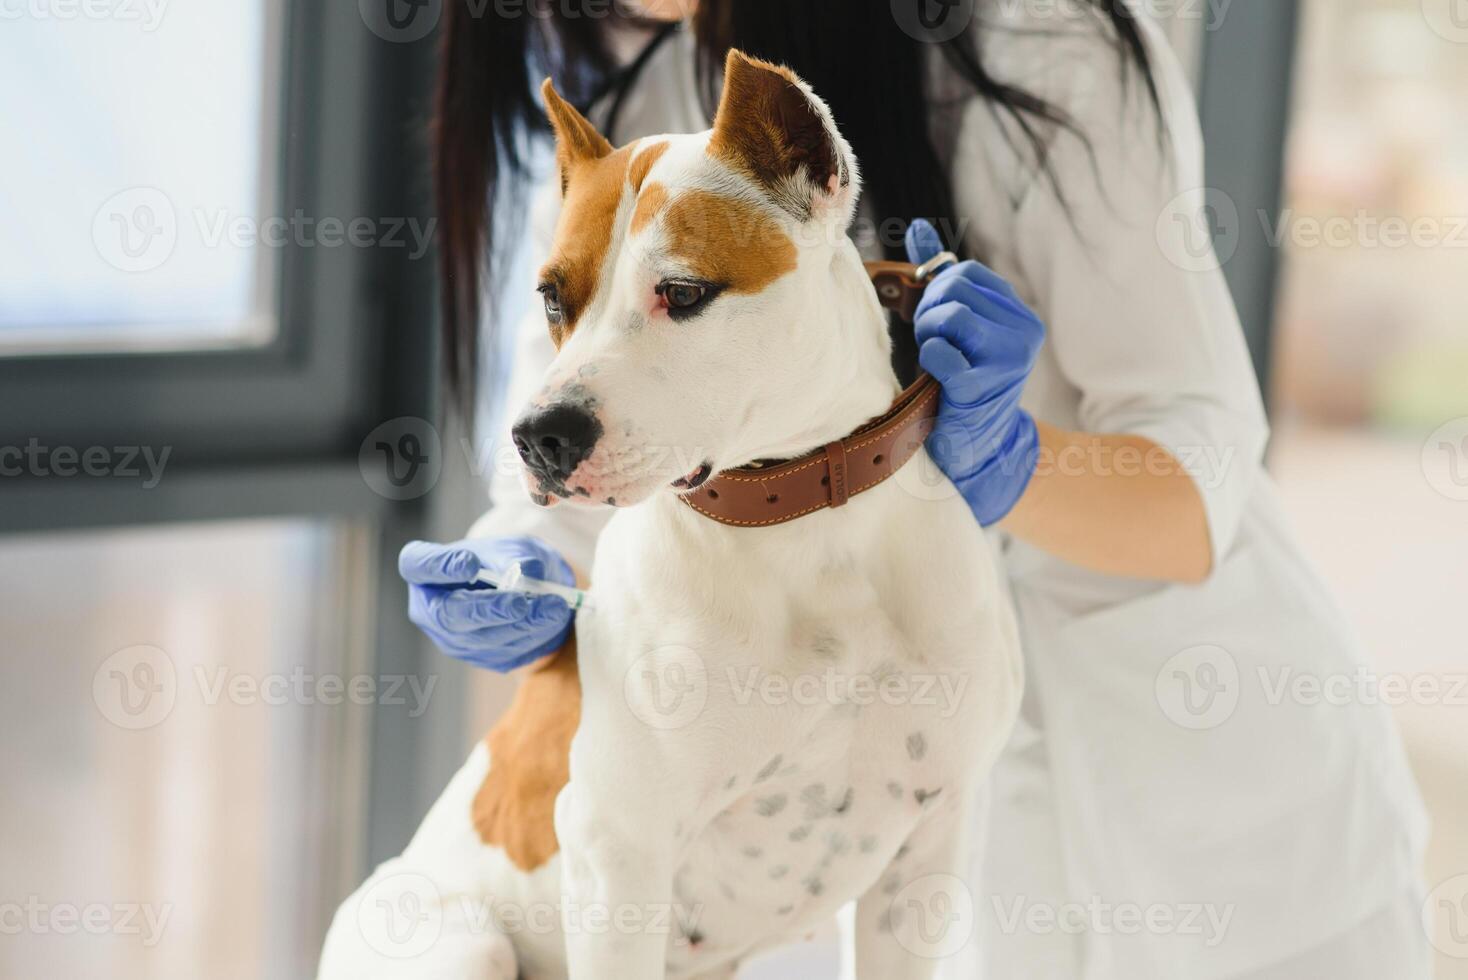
[(514, 579)]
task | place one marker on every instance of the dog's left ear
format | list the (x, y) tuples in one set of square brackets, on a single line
[(771, 126)]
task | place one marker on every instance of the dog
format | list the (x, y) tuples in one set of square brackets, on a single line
[(759, 718)]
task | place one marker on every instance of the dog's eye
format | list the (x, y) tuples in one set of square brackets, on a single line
[(684, 295), (552, 297), (684, 298)]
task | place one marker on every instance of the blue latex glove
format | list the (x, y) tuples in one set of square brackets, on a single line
[(980, 341), (471, 621)]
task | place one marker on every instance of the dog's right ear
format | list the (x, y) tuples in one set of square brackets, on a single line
[(772, 127), (577, 140)]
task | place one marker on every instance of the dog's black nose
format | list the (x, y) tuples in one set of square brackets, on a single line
[(553, 441)]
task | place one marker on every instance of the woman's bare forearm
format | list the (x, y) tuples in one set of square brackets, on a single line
[(1116, 504)]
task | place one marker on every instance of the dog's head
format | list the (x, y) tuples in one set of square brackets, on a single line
[(684, 292)]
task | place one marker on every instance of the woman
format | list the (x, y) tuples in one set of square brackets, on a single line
[(1165, 809)]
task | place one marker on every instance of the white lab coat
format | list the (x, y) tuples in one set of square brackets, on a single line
[(1260, 837)]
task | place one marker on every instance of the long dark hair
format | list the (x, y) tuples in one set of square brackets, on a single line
[(855, 54)]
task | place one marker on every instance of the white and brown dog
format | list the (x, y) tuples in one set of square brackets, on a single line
[(770, 717)]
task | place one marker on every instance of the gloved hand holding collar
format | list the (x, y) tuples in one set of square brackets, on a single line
[(979, 341)]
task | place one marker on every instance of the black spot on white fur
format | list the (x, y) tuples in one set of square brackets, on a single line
[(771, 805), (917, 746)]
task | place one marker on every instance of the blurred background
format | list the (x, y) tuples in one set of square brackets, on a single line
[(218, 424)]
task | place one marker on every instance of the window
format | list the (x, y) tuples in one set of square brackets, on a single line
[(141, 177)]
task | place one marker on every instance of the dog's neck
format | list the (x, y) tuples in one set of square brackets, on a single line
[(856, 382)]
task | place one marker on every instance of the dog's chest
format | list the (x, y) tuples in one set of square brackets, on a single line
[(817, 827)]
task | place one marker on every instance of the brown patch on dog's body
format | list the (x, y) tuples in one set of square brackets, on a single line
[(728, 241), (530, 762)]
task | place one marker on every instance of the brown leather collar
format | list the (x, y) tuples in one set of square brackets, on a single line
[(765, 495)]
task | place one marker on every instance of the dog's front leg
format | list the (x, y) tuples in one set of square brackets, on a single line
[(617, 879), (921, 911)]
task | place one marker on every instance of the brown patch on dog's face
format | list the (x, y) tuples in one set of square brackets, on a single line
[(584, 235), (650, 204), (727, 241), (767, 128), (643, 163), (530, 762)]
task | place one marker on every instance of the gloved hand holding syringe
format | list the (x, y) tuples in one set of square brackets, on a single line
[(514, 579)]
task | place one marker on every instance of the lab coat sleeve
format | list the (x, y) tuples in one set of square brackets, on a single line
[(571, 530), (1140, 320)]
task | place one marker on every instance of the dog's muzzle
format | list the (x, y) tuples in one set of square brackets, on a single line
[(553, 441)]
